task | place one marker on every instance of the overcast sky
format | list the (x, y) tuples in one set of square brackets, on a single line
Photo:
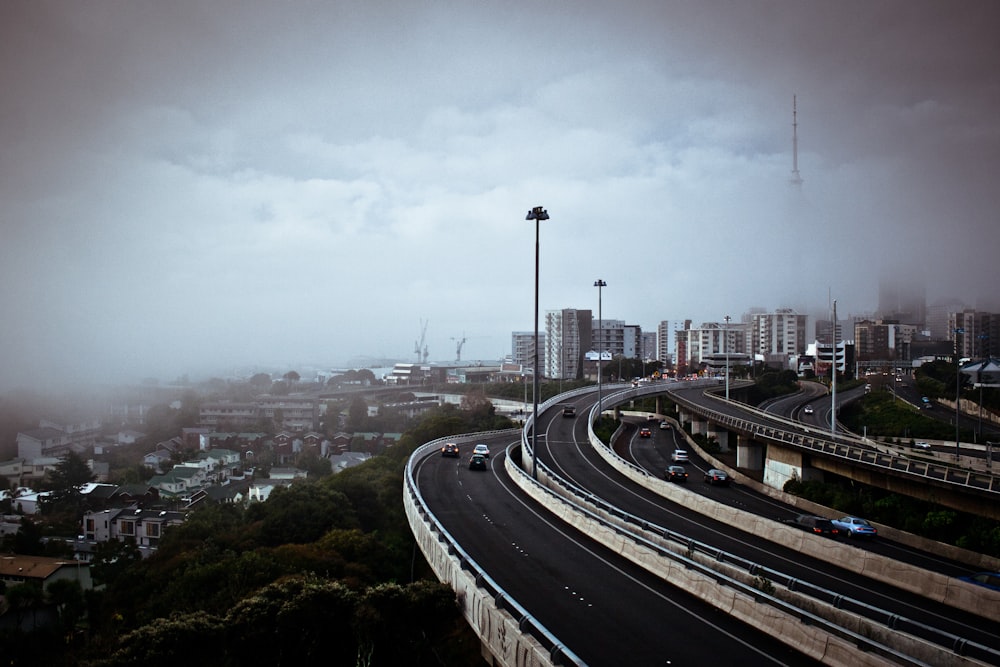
[(194, 187)]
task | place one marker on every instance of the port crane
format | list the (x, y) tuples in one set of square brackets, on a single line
[(420, 347)]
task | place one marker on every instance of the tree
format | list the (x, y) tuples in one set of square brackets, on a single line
[(27, 541), (22, 598), (67, 596), (70, 473), (291, 377), (112, 558), (357, 415), (261, 382), (65, 481)]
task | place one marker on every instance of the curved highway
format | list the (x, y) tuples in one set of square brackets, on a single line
[(607, 610), (601, 605)]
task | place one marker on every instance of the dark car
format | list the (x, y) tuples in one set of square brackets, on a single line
[(477, 462), (987, 579), (814, 524), (716, 477), (569, 411), (450, 449), (645, 432), (676, 474)]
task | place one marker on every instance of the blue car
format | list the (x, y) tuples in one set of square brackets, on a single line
[(987, 579), (853, 526)]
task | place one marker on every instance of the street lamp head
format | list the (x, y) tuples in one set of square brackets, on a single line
[(600, 283), (537, 213)]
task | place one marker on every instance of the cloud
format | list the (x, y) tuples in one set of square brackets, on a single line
[(191, 187)]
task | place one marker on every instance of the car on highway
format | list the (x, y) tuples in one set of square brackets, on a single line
[(679, 456), (814, 524), (987, 579), (808, 409), (853, 526), (477, 462), (714, 476), (664, 425), (450, 449), (482, 450), (921, 445), (676, 474), (569, 411), (645, 432)]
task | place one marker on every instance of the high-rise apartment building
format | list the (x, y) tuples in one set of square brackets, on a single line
[(522, 345), (663, 336), (778, 336), (974, 333), (567, 338), (902, 300)]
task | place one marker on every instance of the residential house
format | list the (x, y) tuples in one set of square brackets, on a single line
[(144, 526), (17, 569)]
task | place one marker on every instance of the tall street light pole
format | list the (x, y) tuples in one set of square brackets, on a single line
[(725, 342), (600, 354), (958, 387), (833, 382), (537, 214)]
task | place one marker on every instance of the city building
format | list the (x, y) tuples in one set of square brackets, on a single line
[(522, 345), (55, 439), (696, 344), (568, 336), (902, 300), (778, 336), (663, 337), (974, 333), (878, 343)]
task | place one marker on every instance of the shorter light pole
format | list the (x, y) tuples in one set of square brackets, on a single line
[(600, 355), (958, 388), (833, 382), (725, 342)]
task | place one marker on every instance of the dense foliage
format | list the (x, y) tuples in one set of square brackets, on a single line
[(879, 414), (772, 384), (311, 576), (910, 514)]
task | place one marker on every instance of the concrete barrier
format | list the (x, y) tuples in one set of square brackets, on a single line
[(757, 609), (935, 586), (487, 609)]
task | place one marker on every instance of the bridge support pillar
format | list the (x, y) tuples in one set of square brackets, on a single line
[(784, 464), (721, 436), (749, 454), (698, 425)]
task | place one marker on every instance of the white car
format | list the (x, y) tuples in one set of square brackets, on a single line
[(808, 409), (921, 445), (482, 449), (679, 456), (664, 425)]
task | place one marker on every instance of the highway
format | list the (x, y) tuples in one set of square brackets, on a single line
[(604, 608), (566, 450), (592, 599)]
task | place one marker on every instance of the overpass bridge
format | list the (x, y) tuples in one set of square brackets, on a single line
[(786, 449), (512, 635)]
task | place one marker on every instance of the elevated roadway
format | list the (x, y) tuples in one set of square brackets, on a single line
[(573, 452)]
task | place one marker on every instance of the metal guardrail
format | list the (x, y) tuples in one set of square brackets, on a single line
[(587, 500), (559, 654), (846, 448)]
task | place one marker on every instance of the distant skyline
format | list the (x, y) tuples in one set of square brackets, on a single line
[(214, 185)]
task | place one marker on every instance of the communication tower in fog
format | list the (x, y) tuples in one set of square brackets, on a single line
[(796, 179)]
